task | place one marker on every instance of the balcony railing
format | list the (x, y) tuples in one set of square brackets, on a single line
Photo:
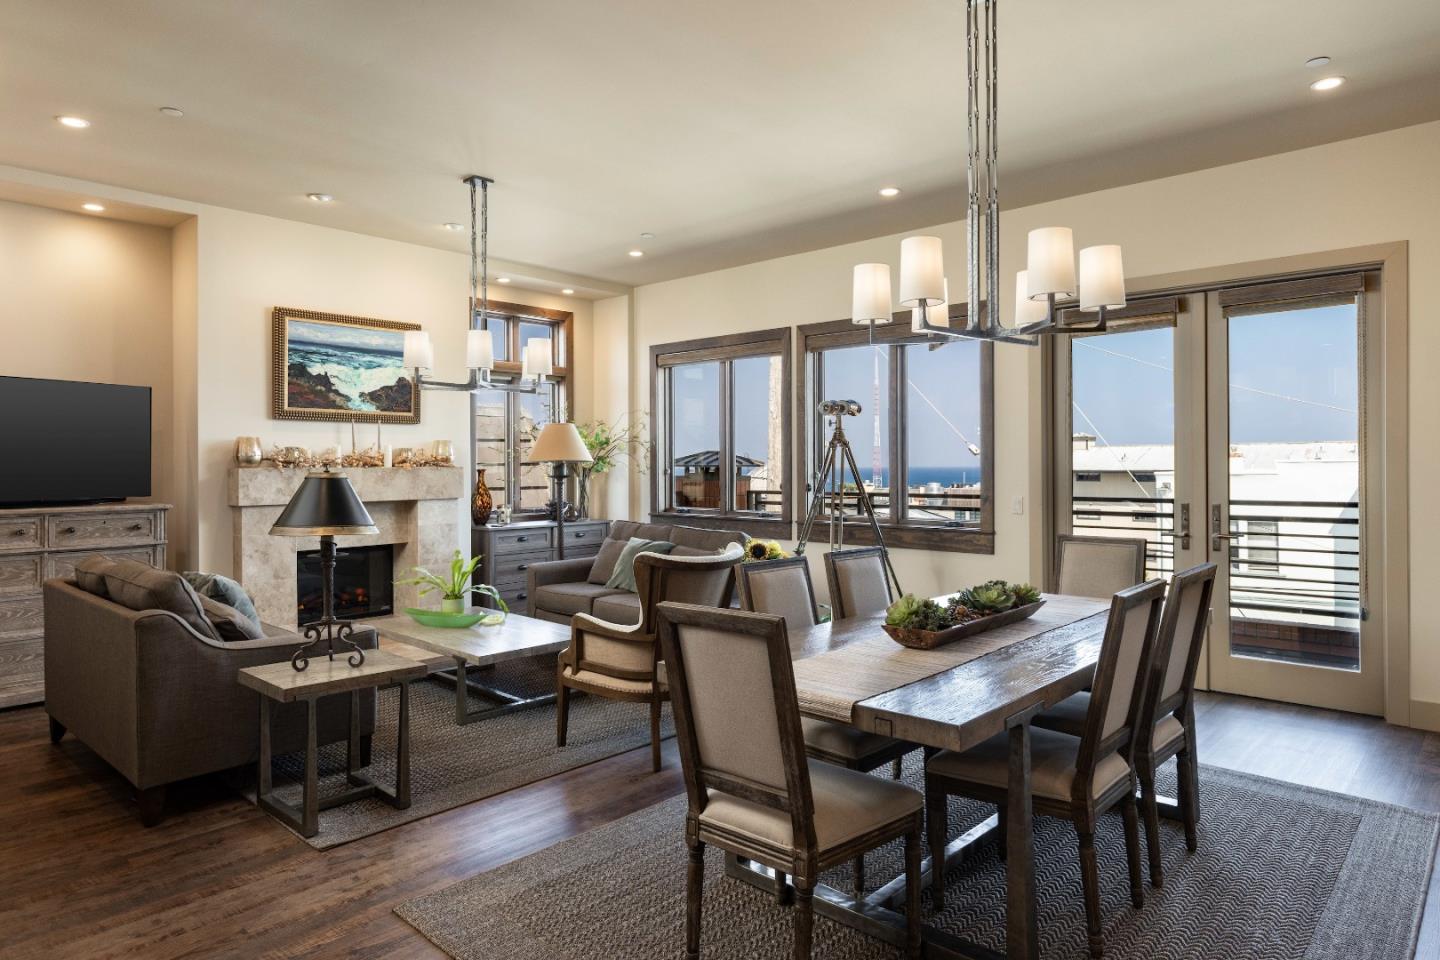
[(945, 507)]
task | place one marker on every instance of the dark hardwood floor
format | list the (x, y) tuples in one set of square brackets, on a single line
[(79, 876)]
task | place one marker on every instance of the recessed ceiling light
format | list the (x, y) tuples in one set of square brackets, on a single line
[(647, 236), (454, 226), (502, 279), (172, 111), (321, 197), (93, 207), (74, 123), (637, 253), (1317, 61), (567, 291), (889, 191), (1328, 83)]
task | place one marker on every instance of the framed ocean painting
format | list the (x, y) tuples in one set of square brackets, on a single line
[(331, 367)]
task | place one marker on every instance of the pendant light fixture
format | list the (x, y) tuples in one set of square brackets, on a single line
[(538, 357), (1050, 274)]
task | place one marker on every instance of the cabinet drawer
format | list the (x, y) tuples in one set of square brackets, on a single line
[(19, 533), (584, 533), (22, 618), (510, 567), (62, 565), (20, 575), (91, 531), (515, 597), (22, 671), (522, 540)]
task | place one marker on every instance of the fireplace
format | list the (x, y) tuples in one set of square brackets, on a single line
[(364, 583)]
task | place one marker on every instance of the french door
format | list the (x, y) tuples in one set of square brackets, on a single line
[(1231, 425)]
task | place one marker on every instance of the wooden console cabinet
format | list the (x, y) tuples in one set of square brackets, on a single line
[(507, 552), (38, 543)]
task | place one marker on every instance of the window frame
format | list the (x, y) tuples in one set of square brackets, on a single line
[(897, 529), (512, 315), (723, 350)]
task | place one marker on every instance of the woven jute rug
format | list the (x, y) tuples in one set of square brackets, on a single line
[(452, 765), (1282, 872)]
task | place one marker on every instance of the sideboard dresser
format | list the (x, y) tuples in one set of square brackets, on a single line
[(43, 542), (507, 552)]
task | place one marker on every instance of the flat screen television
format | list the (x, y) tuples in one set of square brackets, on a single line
[(68, 442)]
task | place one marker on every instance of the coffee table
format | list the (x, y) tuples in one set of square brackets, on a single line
[(479, 646)]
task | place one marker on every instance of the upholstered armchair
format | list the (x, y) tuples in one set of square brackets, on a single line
[(621, 662)]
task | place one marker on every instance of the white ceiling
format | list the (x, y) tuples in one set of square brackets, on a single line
[(734, 130)]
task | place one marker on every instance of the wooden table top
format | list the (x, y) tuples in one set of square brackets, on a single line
[(282, 682), (518, 636)]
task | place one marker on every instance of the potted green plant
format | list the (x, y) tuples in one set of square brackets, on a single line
[(609, 442), (925, 624), (457, 588)]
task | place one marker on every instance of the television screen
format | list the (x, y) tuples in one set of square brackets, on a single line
[(66, 442)]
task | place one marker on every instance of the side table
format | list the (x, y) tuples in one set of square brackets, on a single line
[(282, 683)]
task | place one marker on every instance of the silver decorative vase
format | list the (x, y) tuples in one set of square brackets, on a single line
[(247, 451)]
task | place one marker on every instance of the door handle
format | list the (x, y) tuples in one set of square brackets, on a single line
[(1217, 527)]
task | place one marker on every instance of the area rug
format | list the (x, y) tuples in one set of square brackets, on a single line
[(452, 765), (1283, 873)]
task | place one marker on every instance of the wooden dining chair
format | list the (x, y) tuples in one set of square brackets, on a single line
[(1098, 566), (1168, 708), (752, 791), (1074, 778), (783, 588), (858, 582)]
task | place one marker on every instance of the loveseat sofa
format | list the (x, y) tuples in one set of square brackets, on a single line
[(559, 589)]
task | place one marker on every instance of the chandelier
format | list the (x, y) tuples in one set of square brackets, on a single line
[(1049, 275), (537, 360)]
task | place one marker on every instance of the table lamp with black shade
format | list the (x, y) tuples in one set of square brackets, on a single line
[(327, 507), (559, 444)]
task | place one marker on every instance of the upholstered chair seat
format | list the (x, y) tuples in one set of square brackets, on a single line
[(1068, 716), (843, 740), (1052, 765)]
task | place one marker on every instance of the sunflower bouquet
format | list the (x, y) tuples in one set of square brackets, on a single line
[(757, 551)]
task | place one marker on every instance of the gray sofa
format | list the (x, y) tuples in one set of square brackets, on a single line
[(560, 589), (153, 691)]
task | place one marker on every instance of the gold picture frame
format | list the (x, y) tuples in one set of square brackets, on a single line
[(328, 366)]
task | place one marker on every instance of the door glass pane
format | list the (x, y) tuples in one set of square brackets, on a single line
[(942, 432), (1122, 414), (758, 400), (862, 374), (490, 442), (536, 410), (1294, 498), (695, 439)]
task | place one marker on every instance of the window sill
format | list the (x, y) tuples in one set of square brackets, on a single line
[(770, 528), (942, 539)]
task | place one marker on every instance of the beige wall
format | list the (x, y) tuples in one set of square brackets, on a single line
[(1369, 190), (89, 298)]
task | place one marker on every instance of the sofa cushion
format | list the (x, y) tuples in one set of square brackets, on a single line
[(623, 530), (230, 623), (623, 576), (569, 598), (137, 586), (604, 564), (221, 588), (681, 550), (710, 541), (90, 575), (621, 608)]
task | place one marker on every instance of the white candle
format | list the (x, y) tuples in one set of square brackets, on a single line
[(389, 456)]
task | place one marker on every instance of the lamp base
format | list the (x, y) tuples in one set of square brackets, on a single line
[(332, 633)]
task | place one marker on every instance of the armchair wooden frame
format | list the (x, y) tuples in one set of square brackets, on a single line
[(805, 861), (632, 684), (832, 577)]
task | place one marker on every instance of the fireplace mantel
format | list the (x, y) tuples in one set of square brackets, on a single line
[(415, 509)]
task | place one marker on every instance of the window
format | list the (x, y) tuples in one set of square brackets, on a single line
[(721, 431), (505, 424), (920, 439)]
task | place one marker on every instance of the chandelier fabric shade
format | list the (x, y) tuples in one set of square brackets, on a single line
[(1027, 311), (419, 352), (538, 360), (870, 299), (922, 272), (1050, 261), (479, 350), (1102, 278)]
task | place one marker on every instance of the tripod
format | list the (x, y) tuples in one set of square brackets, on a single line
[(830, 482)]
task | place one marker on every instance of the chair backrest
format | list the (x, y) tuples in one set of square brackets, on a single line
[(781, 588), (707, 580), (1118, 690), (737, 718), (1182, 634), (1097, 566), (858, 582)]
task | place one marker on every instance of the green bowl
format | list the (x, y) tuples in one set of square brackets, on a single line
[(439, 618)]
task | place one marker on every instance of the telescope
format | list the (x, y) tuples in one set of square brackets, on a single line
[(840, 408)]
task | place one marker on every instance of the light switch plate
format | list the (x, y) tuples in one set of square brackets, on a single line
[(1017, 506)]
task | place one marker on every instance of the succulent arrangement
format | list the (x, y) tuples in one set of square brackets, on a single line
[(982, 600)]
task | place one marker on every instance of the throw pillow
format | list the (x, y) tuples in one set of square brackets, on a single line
[(623, 577), (90, 575), (230, 623), (604, 564), (221, 588), (137, 586)]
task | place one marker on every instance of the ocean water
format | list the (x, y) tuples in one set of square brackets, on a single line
[(918, 476), (353, 370)]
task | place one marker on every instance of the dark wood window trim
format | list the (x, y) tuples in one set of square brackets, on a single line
[(563, 342), (723, 349), (898, 532)]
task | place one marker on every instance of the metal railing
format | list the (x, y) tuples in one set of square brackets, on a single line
[(1149, 518), (944, 507)]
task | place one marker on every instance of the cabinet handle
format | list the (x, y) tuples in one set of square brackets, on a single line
[(136, 526), (523, 566), (520, 596), (17, 532), (68, 530), (521, 539), (580, 535)]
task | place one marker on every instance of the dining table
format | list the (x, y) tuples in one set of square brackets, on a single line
[(952, 697)]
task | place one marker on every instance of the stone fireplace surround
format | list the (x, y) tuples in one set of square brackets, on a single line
[(414, 509)]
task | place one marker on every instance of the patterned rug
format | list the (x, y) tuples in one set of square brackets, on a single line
[(452, 765), (1283, 873)]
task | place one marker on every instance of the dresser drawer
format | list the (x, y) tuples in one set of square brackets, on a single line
[(21, 575), (522, 540), (515, 596), (22, 671), (62, 565), (22, 618), (18, 534), (90, 531), (510, 567), (584, 533)]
